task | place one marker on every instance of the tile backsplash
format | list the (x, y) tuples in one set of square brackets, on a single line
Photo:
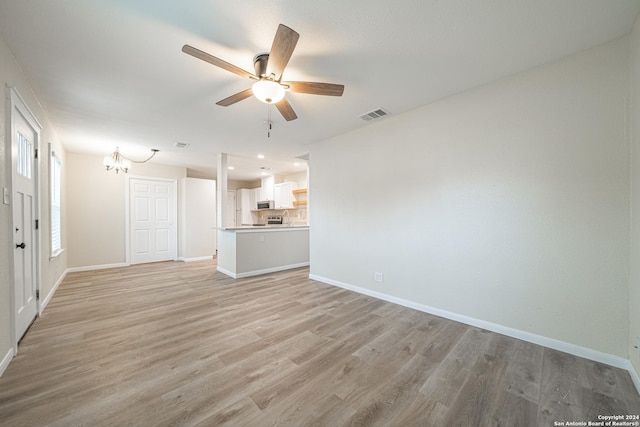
[(297, 216)]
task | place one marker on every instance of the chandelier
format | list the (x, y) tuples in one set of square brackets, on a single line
[(118, 162)]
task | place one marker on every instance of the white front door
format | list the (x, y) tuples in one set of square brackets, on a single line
[(152, 205), (24, 142)]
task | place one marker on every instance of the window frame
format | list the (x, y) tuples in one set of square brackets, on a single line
[(55, 204)]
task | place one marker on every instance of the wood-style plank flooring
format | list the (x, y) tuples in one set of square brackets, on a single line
[(172, 344)]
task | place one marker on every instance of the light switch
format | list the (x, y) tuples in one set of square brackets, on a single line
[(5, 195)]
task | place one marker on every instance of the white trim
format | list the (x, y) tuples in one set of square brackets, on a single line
[(199, 258), (576, 350), (96, 267), (227, 272), (634, 375), (56, 254), (4, 364), (15, 98), (17, 104), (9, 242), (47, 299), (52, 160), (264, 271)]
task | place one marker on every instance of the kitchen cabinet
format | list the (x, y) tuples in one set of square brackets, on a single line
[(242, 199), (260, 250), (243, 207), (283, 195), (255, 197), (267, 188)]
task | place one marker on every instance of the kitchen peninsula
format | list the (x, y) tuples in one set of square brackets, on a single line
[(253, 250)]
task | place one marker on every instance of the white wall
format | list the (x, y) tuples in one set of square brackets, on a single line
[(96, 208), (199, 218), (634, 280), (233, 184), (507, 203), (51, 270), (299, 178)]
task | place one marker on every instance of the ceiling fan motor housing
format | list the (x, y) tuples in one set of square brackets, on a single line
[(260, 64)]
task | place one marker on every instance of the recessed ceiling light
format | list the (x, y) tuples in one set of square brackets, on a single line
[(263, 173), (261, 156), (231, 168), (296, 164)]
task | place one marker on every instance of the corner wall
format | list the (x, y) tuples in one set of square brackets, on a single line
[(507, 203), (634, 127)]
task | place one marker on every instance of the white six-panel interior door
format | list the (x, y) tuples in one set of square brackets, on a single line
[(153, 218)]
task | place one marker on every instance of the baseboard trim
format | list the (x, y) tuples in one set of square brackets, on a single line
[(199, 258), (4, 364), (263, 271), (96, 267), (565, 347), (634, 375), (47, 299), (227, 272)]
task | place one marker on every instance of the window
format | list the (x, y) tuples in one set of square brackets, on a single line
[(56, 228), (25, 156)]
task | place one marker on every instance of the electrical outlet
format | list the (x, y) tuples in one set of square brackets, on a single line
[(5, 195), (378, 277)]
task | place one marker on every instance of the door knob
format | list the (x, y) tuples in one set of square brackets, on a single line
[(21, 245)]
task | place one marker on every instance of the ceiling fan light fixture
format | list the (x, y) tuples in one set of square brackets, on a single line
[(268, 91)]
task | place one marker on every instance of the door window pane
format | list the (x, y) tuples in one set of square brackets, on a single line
[(24, 156)]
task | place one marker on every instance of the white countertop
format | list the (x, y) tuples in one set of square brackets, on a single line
[(270, 227)]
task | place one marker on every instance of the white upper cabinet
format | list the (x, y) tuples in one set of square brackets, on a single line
[(243, 199), (256, 196), (283, 194), (267, 188)]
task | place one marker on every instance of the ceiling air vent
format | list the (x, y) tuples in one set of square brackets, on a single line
[(179, 144), (375, 114)]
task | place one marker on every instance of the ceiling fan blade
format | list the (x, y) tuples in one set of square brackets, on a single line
[(315, 88), (286, 110), (235, 98), (283, 45), (197, 53)]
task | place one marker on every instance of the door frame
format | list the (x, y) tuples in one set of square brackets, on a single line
[(17, 105), (127, 212)]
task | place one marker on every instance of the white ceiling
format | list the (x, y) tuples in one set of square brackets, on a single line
[(111, 72)]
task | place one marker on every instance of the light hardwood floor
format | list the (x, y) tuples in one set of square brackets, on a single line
[(173, 344)]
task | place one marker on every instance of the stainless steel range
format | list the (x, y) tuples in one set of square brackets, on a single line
[(274, 219)]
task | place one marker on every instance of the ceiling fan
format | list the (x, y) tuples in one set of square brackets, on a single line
[(268, 86)]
